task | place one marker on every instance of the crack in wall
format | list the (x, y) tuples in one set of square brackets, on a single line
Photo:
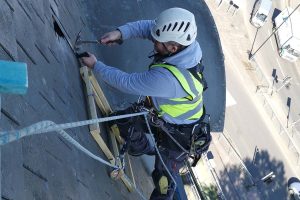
[(40, 176), (10, 117), (26, 52), (25, 11), (42, 53), (7, 52)]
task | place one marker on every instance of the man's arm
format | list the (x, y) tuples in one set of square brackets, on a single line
[(138, 29), (155, 82)]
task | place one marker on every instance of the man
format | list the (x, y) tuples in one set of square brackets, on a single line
[(173, 84)]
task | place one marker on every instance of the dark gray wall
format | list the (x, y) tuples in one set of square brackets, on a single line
[(132, 55), (45, 166)]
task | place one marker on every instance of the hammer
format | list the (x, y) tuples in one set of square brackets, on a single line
[(79, 42)]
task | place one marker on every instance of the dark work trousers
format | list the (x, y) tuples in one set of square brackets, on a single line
[(173, 163), (133, 131)]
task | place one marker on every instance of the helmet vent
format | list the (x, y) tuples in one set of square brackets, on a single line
[(187, 26), (175, 26), (157, 32), (188, 37), (181, 25), (164, 28), (169, 27)]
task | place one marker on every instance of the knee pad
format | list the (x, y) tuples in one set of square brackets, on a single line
[(161, 181), (163, 184)]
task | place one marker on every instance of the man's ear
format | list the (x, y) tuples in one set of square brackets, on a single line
[(174, 48)]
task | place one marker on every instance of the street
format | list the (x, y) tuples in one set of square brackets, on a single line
[(269, 60), (247, 122)]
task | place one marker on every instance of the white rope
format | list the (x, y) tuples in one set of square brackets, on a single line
[(10, 136), (49, 126), (158, 153), (75, 143)]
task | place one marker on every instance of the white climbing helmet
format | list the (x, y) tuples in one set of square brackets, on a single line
[(175, 24)]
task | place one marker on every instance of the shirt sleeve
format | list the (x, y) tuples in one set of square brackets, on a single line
[(156, 82), (138, 29)]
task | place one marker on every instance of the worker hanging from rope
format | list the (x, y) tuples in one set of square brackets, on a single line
[(173, 85)]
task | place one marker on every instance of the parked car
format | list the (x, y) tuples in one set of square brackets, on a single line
[(294, 190), (260, 12), (288, 35)]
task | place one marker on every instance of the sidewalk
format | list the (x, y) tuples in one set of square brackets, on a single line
[(235, 182), (235, 43)]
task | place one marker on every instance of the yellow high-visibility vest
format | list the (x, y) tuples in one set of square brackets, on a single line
[(189, 107)]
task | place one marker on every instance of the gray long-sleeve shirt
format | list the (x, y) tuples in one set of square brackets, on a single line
[(156, 82)]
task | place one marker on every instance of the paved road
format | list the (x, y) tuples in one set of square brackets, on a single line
[(248, 129), (269, 60), (246, 122)]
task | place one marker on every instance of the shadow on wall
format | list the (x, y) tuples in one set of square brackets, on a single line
[(131, 56), (213, 60), (259, 167)]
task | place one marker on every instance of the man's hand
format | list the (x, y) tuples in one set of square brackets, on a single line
[(111, 38), (89, 61)]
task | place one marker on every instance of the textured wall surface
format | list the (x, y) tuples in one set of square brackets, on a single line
[(46, 166)]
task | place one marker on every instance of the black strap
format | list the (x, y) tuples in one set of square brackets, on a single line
[(196, 159), (80, 55), (194, 71)]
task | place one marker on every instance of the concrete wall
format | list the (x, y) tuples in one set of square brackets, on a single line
[(132, 55), (46, 166)]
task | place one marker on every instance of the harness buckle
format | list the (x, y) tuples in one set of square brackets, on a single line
[(120, 163)]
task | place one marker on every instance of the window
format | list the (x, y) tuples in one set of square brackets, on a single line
[(292, 51), (261, 17)]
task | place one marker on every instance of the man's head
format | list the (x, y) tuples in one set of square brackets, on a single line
[(175, 29)]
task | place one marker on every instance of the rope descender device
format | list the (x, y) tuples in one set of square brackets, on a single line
[(118, 172), (120, 163)]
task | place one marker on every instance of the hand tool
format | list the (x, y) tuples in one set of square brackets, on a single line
[(80, 55), (79, 42)]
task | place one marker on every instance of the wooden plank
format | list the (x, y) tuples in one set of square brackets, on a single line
[(91, 102), (131, 175), (116, 152), (99, 102), (109, 155), (100, 93), (94, 128), (114, 143), (103, 104), (116, 132), (103, 146)]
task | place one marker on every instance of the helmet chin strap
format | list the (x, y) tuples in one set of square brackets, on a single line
[(153, 53)]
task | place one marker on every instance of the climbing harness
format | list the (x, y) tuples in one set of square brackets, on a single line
[(159, 155), (200, 135)]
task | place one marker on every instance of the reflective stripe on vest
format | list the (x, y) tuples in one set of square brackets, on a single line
[(185, 108)]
